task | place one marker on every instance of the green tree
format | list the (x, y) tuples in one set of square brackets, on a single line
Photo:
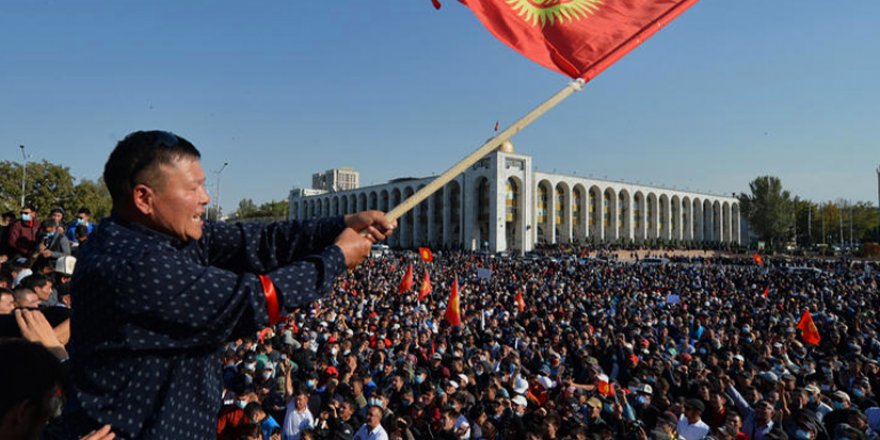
[(47, 185), (768, 209), (246, 209), (93, 195)]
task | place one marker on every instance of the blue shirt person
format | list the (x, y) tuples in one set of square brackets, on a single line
[(158, 290)]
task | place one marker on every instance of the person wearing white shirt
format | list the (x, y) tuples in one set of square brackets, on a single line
[(372, 429), (690, 426), (298, 417)]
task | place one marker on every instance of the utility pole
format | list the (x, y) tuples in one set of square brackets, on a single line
[(840, 224), (823, 224), (217, 192), (23, 173)]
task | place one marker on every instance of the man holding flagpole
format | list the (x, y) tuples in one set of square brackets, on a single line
[(158, 290)]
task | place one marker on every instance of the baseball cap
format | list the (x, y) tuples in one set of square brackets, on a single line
[(696, 404), (520, 400)]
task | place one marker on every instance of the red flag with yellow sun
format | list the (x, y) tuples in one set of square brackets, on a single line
[(426, 254), (578, 38)]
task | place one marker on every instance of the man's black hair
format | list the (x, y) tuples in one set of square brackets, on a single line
[(139, 154), (8, 214), (28, 372), (85, 211), (34, 280), (81, 231)]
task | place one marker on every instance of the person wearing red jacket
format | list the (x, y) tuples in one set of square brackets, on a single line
[(23, 233)]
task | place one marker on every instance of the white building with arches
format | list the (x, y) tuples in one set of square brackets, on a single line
[(502, 204)]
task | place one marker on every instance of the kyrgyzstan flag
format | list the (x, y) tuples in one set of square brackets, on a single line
[(426, 254), (605, 387), (766, 292), (520, 302), (406, 284), (426, 288), (578, 38), (809, 332), (758, 259), (453, 308)]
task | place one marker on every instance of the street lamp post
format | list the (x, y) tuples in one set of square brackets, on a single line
[(23, 173), (217, 192)]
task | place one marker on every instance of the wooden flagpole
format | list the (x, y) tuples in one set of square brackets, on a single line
[(485, 149)]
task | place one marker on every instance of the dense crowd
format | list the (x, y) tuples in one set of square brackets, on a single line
[(596, 348), (688, 349)]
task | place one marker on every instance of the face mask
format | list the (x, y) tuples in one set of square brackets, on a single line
[(420, 379), (749, 340), (441, 350), (267, 375), (241, 403), (310, 384), (649, 379), (25, 217), (333, 351), (251, 366), (479, 371), (80, 221), (642, 400), (607, 408), (826, 370), (825, 388), (858, 393), (837, 405), (406, 403), (375, 402), (49, 235)]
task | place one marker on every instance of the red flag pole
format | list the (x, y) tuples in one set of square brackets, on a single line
[(484, 149)]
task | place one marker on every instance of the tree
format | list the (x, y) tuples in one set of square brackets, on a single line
[(93, 195), (768, 209), (274, 210)]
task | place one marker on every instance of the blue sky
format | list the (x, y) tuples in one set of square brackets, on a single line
[(281, 89)]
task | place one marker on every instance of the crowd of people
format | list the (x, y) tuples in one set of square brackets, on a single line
[(551, 346), (595, 349)]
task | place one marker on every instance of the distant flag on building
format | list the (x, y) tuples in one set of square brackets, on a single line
[(426, 254), (578, 38), (497, 126), (809, 332), (436, 4), (453, 308), (520, 302), (758, 259), (426, 288), (605, 387), (406, 284)]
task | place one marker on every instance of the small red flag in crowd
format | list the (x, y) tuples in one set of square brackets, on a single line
[(426, 254), (520, 302), (766, 292), (579, 38), (758, 259), (426, 287), (809, 332), (453, 308), (605, 386), (406, 284)]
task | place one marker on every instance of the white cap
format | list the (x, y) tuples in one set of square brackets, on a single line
[(520, 386), (520, 400), (65, 265)]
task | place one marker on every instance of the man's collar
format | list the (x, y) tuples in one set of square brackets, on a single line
[(135, 226)]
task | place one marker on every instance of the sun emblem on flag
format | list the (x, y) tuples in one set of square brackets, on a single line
[(549, 12)]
